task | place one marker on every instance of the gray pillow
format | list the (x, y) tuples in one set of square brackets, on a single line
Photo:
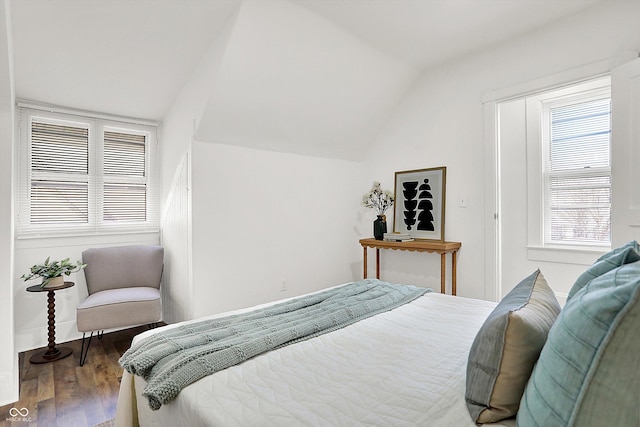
[(588, 374), (615, 258), (507, 347)]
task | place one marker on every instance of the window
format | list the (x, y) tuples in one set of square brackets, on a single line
[(577, 169), (569, 166), (85, 175)]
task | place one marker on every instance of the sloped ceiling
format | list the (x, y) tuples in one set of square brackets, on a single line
[(316, 77), (293, 81), (122, 57), (426, 33)]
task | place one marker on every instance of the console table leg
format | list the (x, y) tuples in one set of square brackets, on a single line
[(443, 271), (453, 272), (365, 262)]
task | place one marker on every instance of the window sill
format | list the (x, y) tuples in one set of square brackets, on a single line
[(566, 254), (67, 239), (46, 234)]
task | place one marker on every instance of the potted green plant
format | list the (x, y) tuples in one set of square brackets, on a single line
[(52, 273)]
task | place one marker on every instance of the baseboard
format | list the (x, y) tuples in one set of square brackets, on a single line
[(30, 339)]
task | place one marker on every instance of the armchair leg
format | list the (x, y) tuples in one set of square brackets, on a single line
[(83, 350)]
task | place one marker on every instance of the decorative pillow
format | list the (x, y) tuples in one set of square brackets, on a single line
[(507, 347), (588, 374), (623, 255)]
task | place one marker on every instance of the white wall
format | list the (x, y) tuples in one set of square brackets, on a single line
[(255, 217), (183, 118), (440, 123), (176, 239), (178, 128), (261, 218), (625, 129), (8, 357)]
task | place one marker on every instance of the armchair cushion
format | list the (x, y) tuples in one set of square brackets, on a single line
[(119, 307)]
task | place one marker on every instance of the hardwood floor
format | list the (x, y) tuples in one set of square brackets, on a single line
[(63, 394)]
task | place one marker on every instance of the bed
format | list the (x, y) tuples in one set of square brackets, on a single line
[(403, 367), (378, 371)]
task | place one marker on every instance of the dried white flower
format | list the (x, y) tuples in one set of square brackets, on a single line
[(378, 199)]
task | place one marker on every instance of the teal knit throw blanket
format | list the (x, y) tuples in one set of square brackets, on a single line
[(171, 360)]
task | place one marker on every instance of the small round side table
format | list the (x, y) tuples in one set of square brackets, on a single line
[(52, 353)]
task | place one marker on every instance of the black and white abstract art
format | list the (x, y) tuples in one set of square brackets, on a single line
[(419, 203)]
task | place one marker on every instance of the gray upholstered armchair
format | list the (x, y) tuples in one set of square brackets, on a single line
[(124, 290)]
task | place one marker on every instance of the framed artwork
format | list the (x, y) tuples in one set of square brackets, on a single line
[(419, 203)]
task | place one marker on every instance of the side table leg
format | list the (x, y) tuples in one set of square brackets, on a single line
[(377, 263), (52, 353)]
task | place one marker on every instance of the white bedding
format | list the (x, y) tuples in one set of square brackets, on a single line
[(405, 367)]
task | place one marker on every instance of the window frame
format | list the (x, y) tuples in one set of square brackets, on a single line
[(96, 125), (539, 246)]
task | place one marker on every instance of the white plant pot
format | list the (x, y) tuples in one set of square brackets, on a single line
[(55, 282)]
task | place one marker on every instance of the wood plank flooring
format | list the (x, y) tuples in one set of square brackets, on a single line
[(63, 394)]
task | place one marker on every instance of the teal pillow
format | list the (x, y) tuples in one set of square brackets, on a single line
[(507, 347), (588, 373), (625, 254)]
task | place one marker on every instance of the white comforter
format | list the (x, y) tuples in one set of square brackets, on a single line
[(405, 367)]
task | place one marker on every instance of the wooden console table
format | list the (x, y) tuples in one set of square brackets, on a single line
[(52, 353), (443, 248)]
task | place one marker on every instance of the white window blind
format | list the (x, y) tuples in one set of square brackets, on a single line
[(85, 175), (59, 164), (58, 148), (125, 190), (577, 172), (124, 154)]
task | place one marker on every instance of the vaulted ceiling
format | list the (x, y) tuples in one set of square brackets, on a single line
[(310, 76), (114, 56)]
